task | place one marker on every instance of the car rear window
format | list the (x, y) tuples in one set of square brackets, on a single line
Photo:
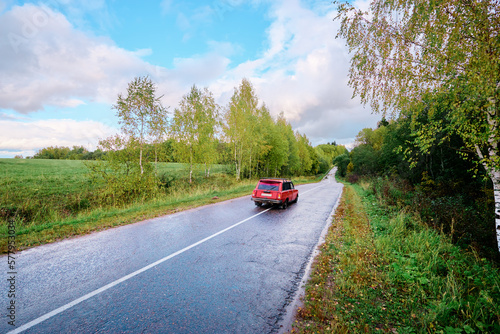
[(269, 185)]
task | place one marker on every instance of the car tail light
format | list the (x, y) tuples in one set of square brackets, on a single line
[(254, 193), (279, 196)]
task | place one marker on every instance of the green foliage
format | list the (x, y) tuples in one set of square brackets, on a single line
[(240, 124), (331, 151), (323, 161), (293, 165), (162, 151), (437, 183), (342, 161), (121, 177), (365, 160), (303, 153), (274, 149), (455, 289), (459, 209), (66, 153), (403, 50)]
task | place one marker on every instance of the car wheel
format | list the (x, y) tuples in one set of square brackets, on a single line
[(284, 205), (296, 199), (258, 203)]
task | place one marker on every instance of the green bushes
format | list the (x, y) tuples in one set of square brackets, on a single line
[(120, 183), (444, 183), (466, 219), (342, 161)]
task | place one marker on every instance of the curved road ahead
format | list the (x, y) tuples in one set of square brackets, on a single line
[(229, 267)]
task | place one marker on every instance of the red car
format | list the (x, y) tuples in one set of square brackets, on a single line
[(275, 192)]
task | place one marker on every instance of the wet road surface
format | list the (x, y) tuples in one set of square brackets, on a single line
[(229, 267)]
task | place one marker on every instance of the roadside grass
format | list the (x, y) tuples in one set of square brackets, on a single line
[(381, 270), (49, 200)]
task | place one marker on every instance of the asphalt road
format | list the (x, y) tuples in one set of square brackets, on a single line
[(229, 267)]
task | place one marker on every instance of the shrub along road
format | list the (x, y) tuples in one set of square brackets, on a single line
[(229, 267)]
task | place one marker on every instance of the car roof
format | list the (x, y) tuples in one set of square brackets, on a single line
[(275, 179)]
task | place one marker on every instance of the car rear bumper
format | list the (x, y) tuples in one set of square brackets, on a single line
[(266, 200)]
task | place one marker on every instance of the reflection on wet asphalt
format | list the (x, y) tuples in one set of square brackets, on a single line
[(238, 281)]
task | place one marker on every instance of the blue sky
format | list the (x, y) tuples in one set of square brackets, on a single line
[(64, 62)]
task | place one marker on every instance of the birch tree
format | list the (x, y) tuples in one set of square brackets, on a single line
[(292, 163), (277, 155), (240, 122), (194, 129), (141, 112), (305, 157), (208, 129), (405, 53)]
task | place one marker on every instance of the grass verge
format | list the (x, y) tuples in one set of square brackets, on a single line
[(385, 271)]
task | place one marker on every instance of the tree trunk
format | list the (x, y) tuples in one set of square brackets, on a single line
[(156, 156), (190, 164), (495, 177), (190, 171), (238, 169), (494, 170), (236, 160), (140, 160), (141, 138), (491, 161), (239, 162), (250, 163)]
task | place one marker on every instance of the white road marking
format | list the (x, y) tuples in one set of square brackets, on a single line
[(124, 278)]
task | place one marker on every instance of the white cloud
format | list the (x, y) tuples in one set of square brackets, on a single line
[(6, 116), (199, 70), (50, 63), (31, 136), (11, 154), (46, 62)]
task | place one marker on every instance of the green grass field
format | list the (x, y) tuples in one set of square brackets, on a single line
[(39, 190), (44, 190)]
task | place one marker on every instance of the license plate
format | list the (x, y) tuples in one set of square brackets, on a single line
[(267, 195)]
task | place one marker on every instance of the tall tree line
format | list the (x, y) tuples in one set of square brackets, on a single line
[(254, 142), (202, 133)]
